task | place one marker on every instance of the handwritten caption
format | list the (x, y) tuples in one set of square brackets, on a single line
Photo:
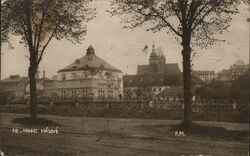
[(46, 130)]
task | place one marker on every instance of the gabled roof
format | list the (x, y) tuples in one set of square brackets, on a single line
[(146, 69), (15, 78), (171, 68), (89, 61), (148, 80)]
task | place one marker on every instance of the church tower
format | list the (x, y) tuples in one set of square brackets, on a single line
[(161, 62), (157, 60), (153, 58)]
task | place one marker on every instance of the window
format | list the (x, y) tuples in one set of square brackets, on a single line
[(74, 76), (101, 94), (110, 93), (63, 94), (63, 76)]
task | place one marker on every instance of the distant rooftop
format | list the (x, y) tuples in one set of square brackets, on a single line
[(204, 72), (171, 68), (157, 80), (14, 78)]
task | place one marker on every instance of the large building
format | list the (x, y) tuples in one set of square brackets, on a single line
[(18, 87), (236, 70), (205, 75), (14, 85), (157, 64), (89, 78), (153, 78)]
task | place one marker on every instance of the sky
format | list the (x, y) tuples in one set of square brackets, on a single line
[(123, 48)]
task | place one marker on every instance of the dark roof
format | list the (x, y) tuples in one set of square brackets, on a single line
[(150, 80), (157, 80), (146, 69), (89, 61), (171, 68), (14, 78), (203, 72)]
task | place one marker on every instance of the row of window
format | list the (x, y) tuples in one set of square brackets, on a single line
[(75, 92), (84, 93), (151, 80), (72, 76), (145, 89), (10, 84), (101, 93), (104, 84), (207, 76)]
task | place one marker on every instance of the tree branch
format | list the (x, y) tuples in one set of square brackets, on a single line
[(157, 14), (166, 22), (175, 11), (39, 32), (46, 44), (36, 31), (202, 18)]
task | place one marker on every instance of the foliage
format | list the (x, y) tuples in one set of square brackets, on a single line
[(4, 96), (240, 88), (235, 90), (193, 22), (37, 22), (203, 19)]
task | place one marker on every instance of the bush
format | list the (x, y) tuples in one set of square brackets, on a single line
[(242, 116)]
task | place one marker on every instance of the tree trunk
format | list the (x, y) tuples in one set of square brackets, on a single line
[(33, 96), (187, 87)]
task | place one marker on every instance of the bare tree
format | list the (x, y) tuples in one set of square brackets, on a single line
[(38, 22), (193, 22)]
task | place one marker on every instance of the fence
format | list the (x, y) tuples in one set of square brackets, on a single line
[(172, 105), (197, 106), (206, 110)]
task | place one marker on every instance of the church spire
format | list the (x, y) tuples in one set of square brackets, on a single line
[(153, 47)]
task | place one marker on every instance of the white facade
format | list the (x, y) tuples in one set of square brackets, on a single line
[(89, 78)]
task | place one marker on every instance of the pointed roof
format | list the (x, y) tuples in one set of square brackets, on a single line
[(89, 61), (90, 50)]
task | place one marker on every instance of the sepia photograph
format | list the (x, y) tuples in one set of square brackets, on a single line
[(124, 78)]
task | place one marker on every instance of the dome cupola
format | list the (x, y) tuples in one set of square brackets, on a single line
[(90, 50)]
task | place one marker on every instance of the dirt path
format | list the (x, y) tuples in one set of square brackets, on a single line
[(80, 144), (102, 137)]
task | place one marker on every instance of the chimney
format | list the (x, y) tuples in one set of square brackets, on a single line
[(43, 73)]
